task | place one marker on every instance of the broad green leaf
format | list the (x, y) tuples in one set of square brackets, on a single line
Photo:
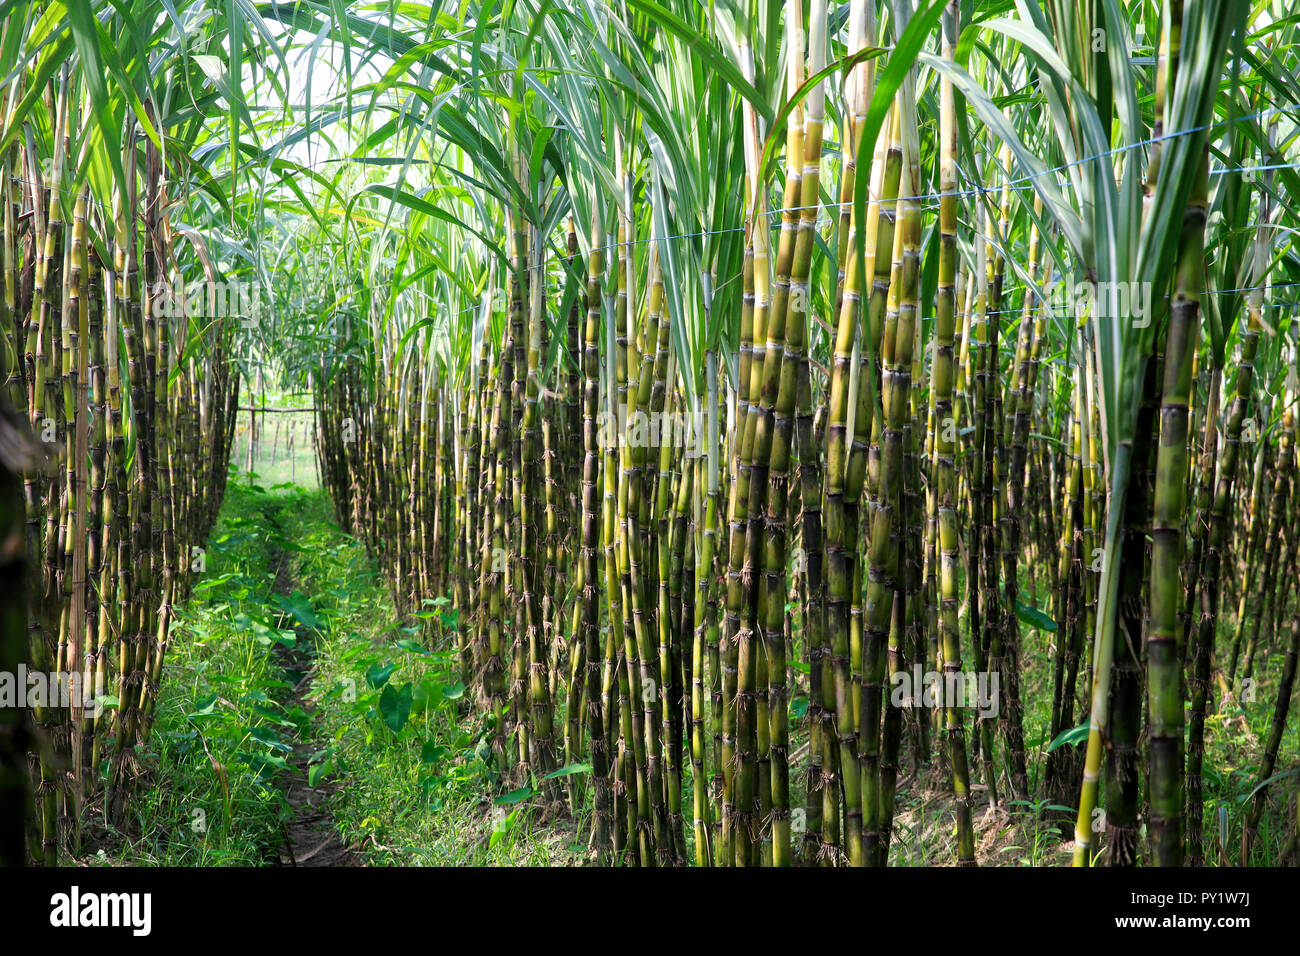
[(1072, 736), (395, 705), (514, 796), (1033, 617), (377, 676), (433, 752), (318, 771)]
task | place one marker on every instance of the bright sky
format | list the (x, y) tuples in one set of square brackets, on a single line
[(315, 78)]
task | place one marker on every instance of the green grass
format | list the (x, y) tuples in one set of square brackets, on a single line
[(392, 722), (208, 793), (405, 759)]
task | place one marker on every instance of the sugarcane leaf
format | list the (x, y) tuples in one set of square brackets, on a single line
[(1264, 783), (415, 647), (1033, 617), (1074, 735), (568, 771), (1034, 169), (419, 204), (888, 80), (514, 796), (88, 35), (702, 45)]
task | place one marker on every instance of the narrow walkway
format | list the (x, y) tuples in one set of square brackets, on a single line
[(311, 838), (316, 728)]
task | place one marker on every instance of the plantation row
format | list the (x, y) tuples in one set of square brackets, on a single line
[(812, 412), (110, 488), (115, 426), (1037, 435)]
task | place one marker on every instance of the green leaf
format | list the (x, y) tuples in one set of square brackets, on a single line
[(377, 676), (395, 705), (514, 796), (432, 752), (429, 791), (213, 582), (1072, 736), (502, 829), (317, 771), (568, 771), (1264, 783), (272, 716), (300, 607), (258, 762), (426, 695), (267, 736), (1032, 617)]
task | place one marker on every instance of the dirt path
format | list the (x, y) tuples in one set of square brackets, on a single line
[(310, 838)]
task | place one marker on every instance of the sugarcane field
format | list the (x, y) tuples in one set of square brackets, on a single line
[(650, 433)]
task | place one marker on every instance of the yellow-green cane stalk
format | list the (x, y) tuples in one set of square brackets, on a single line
[(886, 530), (820, 757), (942, 379)]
